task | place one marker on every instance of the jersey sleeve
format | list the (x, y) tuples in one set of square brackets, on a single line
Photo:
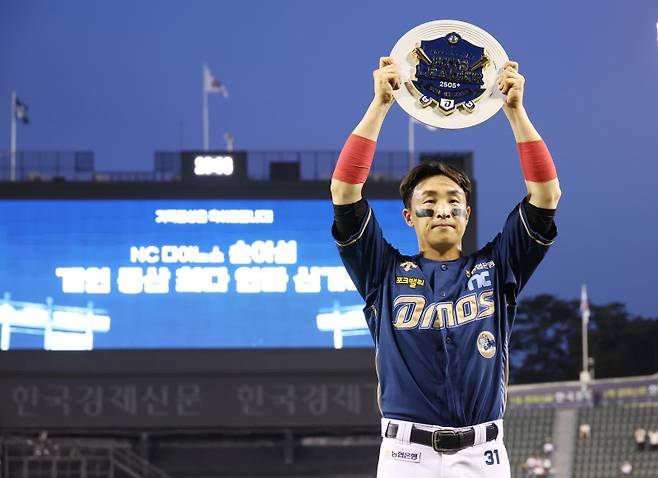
[(367, 256), (519, 249)]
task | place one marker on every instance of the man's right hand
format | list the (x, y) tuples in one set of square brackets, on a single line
[(387, 79)]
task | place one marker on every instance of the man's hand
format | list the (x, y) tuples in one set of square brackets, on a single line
[(541, 193), (510, 83), (387, 79)]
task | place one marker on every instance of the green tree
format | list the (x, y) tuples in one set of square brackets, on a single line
[(622, 345), (545, 345), (544, 339)]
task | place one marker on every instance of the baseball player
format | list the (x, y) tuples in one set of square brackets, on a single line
[(441, 321)]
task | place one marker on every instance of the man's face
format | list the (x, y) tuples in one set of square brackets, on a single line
[(438, 212)]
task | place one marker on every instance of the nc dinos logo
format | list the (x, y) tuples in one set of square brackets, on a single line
[(449, 74), (486, 344)]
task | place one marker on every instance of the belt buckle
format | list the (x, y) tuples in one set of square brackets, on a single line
[(436, 435)]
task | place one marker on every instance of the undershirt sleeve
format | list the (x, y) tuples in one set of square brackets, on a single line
[(348, 218), (540, 219)]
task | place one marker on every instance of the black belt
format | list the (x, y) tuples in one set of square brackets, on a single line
[(443, 440)]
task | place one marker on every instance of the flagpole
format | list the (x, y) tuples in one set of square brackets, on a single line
[(12, 149), (205, 109), (585, 313), (585, 321), (411, 142)]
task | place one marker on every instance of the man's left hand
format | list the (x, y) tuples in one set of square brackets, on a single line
[(510, 83)]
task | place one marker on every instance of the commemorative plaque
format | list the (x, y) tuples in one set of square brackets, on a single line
[(449, 70)]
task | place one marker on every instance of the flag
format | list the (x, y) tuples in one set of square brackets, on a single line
[(20, 110), (212, 84), (584, 304)]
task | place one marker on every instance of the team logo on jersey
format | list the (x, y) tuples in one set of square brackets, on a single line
[(407, 266), (413, 457), (413, 311), (410, 281), (479, 280), (486, 344)]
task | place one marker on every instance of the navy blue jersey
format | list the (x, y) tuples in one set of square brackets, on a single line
[(442, 328)]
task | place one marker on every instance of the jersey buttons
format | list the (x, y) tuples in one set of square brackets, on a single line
[(442, 293), (448, 340), (444, 267)]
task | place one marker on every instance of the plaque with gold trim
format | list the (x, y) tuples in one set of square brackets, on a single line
[(449, 70)]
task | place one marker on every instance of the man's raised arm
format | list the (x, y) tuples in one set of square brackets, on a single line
[(355, 159), (536, 162)]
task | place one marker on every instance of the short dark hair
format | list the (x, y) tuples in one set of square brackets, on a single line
[(428, 169)]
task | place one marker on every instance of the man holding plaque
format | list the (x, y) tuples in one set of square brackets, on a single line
[(440, 320)]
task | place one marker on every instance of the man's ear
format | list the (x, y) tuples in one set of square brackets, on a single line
[(406, 214), (468, 213)]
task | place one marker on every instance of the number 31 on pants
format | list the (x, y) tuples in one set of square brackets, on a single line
[(492, 457)]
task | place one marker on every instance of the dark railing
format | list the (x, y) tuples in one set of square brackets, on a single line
[(319, 165), (73, 458), (48, 166), (52, 166)]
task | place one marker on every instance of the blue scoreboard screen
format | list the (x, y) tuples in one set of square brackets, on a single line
[(125, 274)]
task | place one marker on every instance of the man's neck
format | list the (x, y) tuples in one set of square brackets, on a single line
[(450, 254)]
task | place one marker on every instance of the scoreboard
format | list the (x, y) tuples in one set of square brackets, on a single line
[(179, 273)]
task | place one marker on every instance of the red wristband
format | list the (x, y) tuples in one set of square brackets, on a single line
[(536, 161), (354, 162)]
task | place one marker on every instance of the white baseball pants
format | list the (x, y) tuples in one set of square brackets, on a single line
[(398, 457)]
